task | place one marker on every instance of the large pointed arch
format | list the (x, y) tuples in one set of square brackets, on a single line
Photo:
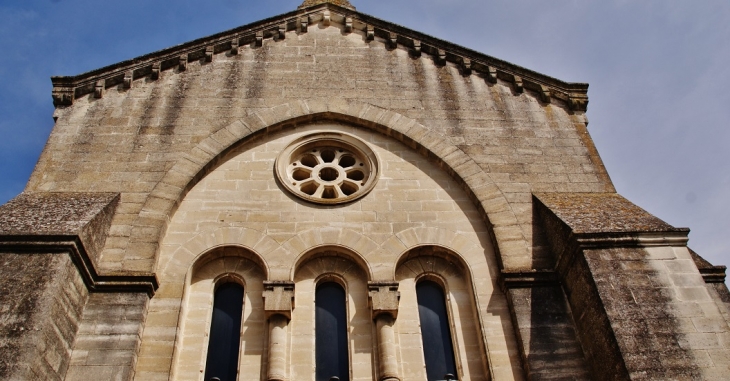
[(163, 201)]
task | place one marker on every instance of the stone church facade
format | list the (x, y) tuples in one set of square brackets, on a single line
[(328, 148)]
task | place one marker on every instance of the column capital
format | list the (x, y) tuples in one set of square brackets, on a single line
[(278, 298), (384, 297)]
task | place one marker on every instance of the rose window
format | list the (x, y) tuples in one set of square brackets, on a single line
[(330, 168)]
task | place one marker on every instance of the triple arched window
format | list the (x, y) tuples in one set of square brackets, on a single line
[(331, 343), (424, 301)]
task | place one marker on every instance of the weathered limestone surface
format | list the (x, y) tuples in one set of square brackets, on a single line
[(646, 312), (108, 338), (83, 215), (549, 342), (162, 168), (240, 207), (42, 297), (507, 144)]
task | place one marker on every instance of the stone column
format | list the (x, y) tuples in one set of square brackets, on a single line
[(278, 304), (384, 298)]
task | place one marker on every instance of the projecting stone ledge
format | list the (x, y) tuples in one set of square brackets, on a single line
[(602, 212), (618, 266), (86, 215), (77, 224), (341, 3)]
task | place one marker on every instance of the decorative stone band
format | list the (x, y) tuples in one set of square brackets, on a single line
[(469, 62), (127, 282)]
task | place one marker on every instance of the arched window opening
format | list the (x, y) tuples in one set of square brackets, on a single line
[(438, 349), (332, 359), (225, 333)]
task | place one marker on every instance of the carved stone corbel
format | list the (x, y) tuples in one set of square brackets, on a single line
[(519, 86), (416, 50), (303, 24), (259, 38), (62, 96), (128, 79), (182, 64), (282, 31), (491, 74), (348, 24), (155, 71), (440, 57), (326, 18), (209, 50), (99, 89), (392, 41), (234, 46), (577, 102), (465, 66), (544, 94), (370, 33)]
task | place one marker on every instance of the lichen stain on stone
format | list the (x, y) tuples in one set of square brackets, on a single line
[(602, 212), (51, 213)]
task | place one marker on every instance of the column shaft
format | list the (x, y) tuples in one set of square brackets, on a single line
[(277, 347), (386, 348)]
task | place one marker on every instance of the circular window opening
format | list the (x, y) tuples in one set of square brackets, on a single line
[(328, 168)]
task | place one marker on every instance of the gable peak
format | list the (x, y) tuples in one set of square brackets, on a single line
[(341, 3)]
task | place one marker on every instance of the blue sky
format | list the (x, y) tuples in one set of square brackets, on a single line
[(659, 85)]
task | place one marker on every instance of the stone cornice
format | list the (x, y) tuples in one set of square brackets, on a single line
[(470, 62), (71, 244), (510, 279)]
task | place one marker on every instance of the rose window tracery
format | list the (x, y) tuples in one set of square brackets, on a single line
[(329, 168)]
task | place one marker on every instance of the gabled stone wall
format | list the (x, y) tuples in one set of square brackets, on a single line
[(129, 139)]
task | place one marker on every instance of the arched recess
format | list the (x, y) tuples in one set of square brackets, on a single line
[(330, 264), (167, 310), (215, 267), (162, 202), (328, 242), (256, 244), (451, 272)]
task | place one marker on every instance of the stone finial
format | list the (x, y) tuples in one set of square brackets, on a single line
[(278, 298), (341, 3), (384, 297)]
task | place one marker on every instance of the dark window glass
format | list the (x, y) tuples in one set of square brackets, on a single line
[(225, 333), (437, 346), (331, 333)]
